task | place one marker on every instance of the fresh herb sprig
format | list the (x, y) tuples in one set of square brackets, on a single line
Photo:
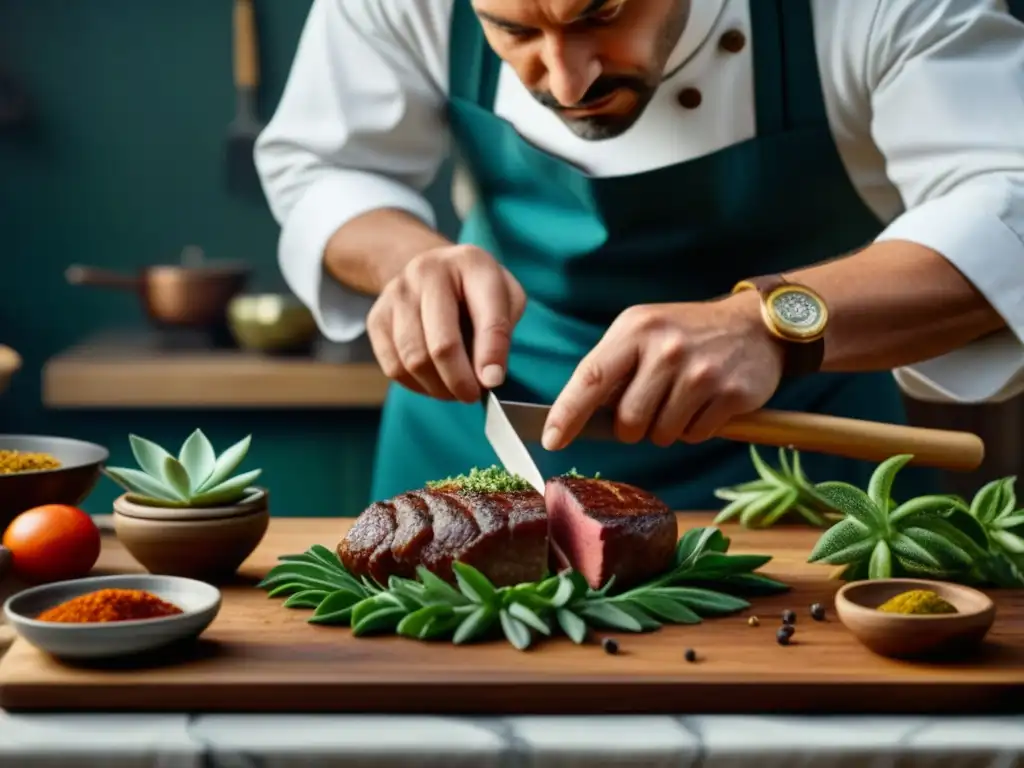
[(774, 494), (493, 479), (938, 536), (704, 581)]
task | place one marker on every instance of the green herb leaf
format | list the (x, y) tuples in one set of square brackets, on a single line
[(228, 492), (880, 565), (287, 588), (704, 601), (307, 598), (439, 589), (383, 620), (1008, 541), (646, 621), (922, 505), (572, 625), (336, 608), (571, 585), (413, 624), (911, 554), (852, 502), (609, 615), (529, 618), (473, 584), (880, 485), (666, 608), (844, 542), (475, 625), (517, 633)]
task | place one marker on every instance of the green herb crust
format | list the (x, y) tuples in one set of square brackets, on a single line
[(703, 582), (572, 473), (939, 536), (494, 479)]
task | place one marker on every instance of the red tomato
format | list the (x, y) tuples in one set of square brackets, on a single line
[(53, 542)]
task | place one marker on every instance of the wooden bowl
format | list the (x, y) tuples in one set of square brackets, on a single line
[(914, 636)]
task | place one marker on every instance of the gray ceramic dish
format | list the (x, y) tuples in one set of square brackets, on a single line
[(199, 601)]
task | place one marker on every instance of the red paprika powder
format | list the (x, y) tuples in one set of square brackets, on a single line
[(110, 605)]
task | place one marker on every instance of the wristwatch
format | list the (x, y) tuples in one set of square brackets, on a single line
[(796, 316)]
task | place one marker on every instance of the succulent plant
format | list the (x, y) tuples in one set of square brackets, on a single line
[(198, 477)]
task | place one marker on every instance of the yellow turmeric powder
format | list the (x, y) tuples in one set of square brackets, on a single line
[(12, 462), (917, 601)]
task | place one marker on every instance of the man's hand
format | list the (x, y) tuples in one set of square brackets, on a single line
[(672, 372), (415, 324)]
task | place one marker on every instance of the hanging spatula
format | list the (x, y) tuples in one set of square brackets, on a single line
[(246, 127)]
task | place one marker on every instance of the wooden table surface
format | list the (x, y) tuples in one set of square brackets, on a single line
[(259, 656)]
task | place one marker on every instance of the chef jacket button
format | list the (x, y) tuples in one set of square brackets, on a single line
[(732, 41), (690, 98)]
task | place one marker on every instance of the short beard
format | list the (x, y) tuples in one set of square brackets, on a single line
[(602, 127)]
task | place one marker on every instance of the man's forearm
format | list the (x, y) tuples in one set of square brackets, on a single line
[(894, 304), (369, 250)]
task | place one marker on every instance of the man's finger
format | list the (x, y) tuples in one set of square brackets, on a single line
[(487, 301), (412, 349), (440, 314), (596, 377), (638, 406), (677, 411), (387, 356)]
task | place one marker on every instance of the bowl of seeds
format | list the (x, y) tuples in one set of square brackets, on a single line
[(41, 469)]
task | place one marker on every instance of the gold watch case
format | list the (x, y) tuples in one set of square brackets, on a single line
[(792, 312)]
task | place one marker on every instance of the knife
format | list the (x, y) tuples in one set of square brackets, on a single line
[(505, 440), (812, 432)]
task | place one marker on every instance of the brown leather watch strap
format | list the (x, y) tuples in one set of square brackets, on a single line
[(799, 357)]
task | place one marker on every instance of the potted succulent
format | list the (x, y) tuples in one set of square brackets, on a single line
[(189, 515)]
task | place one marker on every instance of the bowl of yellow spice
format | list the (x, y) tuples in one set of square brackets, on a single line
[(42, 469), (915, 618)]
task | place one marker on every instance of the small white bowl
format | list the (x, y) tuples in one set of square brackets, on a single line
[(200, 603)]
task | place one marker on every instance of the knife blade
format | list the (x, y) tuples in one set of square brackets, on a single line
[(506, 442), (527, 420)]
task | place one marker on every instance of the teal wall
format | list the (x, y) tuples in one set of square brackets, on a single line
[(124, 167)]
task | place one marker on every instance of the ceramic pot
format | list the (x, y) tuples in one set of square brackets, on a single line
[(208, 544)]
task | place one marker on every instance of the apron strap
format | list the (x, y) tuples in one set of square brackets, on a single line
[(473, 66), (787, 84)]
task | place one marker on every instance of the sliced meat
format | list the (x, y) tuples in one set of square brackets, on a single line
[(503, 535), (611, 529)]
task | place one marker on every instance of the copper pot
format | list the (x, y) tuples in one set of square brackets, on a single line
[(193, 294)]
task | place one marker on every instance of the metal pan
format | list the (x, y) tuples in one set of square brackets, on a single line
[(192, 295)]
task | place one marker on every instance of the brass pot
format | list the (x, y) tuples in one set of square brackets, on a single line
[(194, 295), (271, 322)]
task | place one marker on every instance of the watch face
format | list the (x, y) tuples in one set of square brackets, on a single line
[(798, 310)]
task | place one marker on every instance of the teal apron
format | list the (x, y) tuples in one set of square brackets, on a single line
[(584, 249)]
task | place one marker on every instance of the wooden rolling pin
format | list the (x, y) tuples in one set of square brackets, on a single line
[(811, 432), (857, 439)]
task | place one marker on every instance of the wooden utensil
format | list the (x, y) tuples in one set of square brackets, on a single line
[(905, 637), (815, 432), (246, 127)]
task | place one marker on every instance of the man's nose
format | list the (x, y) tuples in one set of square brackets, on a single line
[(572, 68)]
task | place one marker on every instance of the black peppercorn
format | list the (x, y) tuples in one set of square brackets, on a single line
[(818, 612), (788, 617), (787, 630), (782, 636), (690, 655), (610, 645)]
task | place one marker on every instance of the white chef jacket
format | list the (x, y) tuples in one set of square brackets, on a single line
[(925, 99)]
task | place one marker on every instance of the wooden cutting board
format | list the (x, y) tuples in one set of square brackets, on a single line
[(261, 657)]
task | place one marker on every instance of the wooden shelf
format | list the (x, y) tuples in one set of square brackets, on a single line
[(135, 372)]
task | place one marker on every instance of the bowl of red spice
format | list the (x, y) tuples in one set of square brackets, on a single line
[(110, 616)]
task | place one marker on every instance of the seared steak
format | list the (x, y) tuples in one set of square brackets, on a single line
[(611, 529), (503, 535)]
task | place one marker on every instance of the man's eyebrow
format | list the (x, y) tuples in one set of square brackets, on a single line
[(503, 23), (593, 7)]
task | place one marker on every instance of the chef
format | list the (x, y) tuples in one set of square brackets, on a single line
[(683, 210)]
